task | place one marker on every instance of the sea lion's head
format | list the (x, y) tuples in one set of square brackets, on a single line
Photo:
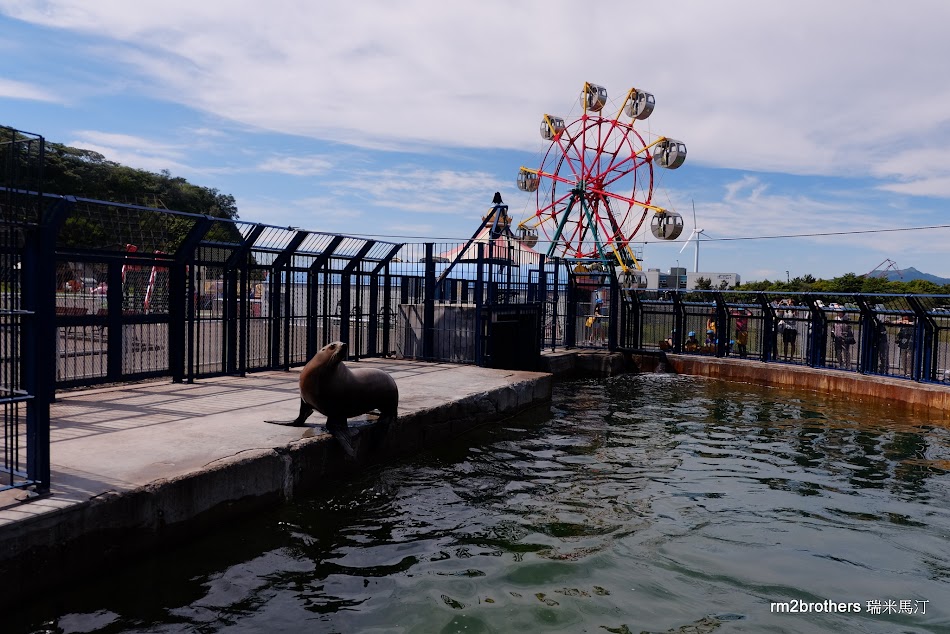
[(331, 355)]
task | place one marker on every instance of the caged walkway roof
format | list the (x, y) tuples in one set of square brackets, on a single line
[(98, 228)]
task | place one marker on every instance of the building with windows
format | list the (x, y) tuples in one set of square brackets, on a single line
[(678, 278)]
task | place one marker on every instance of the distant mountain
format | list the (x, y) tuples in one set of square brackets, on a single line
[(909, 275)]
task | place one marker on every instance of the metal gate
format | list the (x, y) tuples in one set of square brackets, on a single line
[(24, 447)]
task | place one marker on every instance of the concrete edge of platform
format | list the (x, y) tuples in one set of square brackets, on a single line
[(576, 362), (53, 547)]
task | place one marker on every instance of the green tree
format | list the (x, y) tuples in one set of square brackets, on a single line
[(876, 285), (764, 285), (847, 283), (88, 174), (923, 287)]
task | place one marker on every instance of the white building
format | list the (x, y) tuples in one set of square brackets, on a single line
[(680, 278)]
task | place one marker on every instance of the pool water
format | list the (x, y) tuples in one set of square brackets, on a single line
[(639, 503)]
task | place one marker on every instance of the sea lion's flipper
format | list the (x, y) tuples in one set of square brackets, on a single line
[(341, 431), (387, 423), (305, 411), (387, 429)]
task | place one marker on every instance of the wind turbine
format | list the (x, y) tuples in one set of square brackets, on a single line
[(696, 233)]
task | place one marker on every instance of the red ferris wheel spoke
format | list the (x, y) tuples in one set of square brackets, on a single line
[(619, 236), (566, 154), (599, 149), (556, 178), (624, 143), (622, 169), (629, 201), (554, 203), (574, 238)]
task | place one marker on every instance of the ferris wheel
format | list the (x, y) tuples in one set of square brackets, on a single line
[(595, 183)]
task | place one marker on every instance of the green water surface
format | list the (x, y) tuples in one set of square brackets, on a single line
[(649, 503)]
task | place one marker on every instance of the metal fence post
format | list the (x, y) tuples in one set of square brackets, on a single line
[(570, 312), (480, 342), (868, 342), (923, 356), (819, 334), (722, 325), (769, 334), (428, 304), (345, 294), (181, 299), (555, 301), (320, 265), (542, 297), (233, 303), (615, 310), (116, 332), (238, 335), (632, 325), (388, 314), (282, 283), (679, 320), (39, 336)]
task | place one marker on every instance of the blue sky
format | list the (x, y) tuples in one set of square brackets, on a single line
[(403, 119)]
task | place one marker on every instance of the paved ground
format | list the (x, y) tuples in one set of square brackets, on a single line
[(120, 438)]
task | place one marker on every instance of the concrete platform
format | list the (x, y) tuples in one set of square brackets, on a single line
[(139, 465)]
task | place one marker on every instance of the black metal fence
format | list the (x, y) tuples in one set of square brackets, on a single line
[(121, 292), (24, 396), (144, 292), (889, 335)]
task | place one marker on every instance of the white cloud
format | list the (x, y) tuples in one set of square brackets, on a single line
[(936, 187), (803, 88), (297, 165), (133, 151), (10, 89), (916, 170), (418, 190), (749, 209)]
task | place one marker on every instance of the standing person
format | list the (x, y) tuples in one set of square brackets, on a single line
[(883, 350), (742, 331), (709, 345), (905, 344), (843, 336), (595, 322), (777, 329), (789, 334)]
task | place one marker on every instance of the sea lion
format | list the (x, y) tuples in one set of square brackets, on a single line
[(339, 392)]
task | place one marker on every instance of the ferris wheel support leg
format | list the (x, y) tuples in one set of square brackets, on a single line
[(560, 227), (592, 223)]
